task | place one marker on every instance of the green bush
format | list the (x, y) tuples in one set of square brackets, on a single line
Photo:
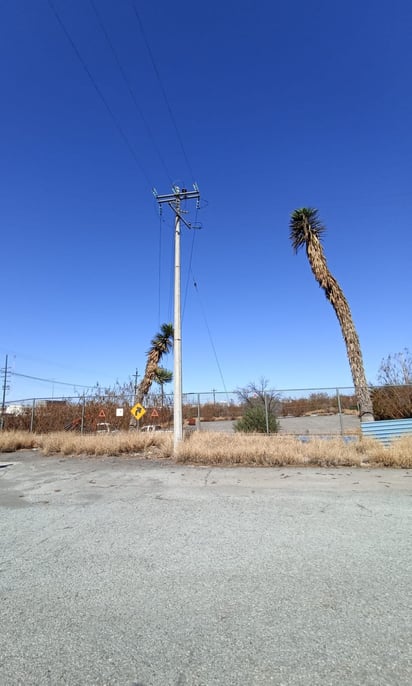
[(254, 421)]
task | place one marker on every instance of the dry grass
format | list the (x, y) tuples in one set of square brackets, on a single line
[(271, 451), (265, 451), (16, 440), (67, 443), (209, 448), (397, 454), (107, 444)]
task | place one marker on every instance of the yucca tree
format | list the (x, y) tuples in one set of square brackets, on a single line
[(161, 377), (161, 344), (306, 230)]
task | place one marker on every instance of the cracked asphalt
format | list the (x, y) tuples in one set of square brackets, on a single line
[(124, 571)]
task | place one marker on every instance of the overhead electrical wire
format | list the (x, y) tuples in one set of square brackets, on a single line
[(52, 381), (148, 129), (125, 137), (159, 268), (189, 269), (211, 339), (99, 92), (163, 90), (130, 89)]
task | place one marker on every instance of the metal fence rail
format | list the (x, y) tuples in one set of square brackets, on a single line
[(313, 411)]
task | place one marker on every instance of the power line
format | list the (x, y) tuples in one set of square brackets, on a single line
[(99, 92), (129, 88), (162, 88), (159, 265), (189, 270), (211, 339), (52, 381)]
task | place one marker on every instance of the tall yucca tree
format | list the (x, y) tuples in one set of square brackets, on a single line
[(306, 230), (161, 344), (162, 377)]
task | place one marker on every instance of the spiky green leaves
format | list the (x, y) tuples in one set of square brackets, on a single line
[(163, 376), (304, 226), (163, 341)]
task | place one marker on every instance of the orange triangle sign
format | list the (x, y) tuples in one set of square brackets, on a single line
[(102, 414), (154, 413)]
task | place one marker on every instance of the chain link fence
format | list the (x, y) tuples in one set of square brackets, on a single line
[(317, 411)]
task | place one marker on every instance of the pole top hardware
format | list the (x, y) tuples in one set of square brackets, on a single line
[(178, 195)]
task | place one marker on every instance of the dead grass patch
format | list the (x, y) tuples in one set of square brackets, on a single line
[(270, 451), (67, 443), (246, 449), (106, 444), (10, 441), (210, 448)]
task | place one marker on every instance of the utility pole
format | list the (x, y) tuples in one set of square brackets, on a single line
[(174, 201), (134, 423), (6, 387), (135, 383)]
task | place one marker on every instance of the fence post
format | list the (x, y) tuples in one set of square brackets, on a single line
[(83, 411), (340, 411), (266, 414), (33, 406), (198, 412)]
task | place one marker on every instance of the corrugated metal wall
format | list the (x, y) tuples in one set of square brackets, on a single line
[(387, 430)]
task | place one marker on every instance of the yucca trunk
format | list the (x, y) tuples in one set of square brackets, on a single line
[(149, 375), (161, 345), (339, 303)]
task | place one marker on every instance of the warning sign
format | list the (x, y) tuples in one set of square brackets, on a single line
[(154, 413), (102, 414), (138, 411)]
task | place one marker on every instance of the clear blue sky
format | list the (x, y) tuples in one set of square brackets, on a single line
[(278, 105)]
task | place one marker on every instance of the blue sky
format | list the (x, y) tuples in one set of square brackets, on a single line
[(275, 105)]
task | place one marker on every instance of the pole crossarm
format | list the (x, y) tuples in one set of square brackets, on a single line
[(177, 196)]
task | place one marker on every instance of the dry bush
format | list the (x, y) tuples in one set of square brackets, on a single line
[(18, 422), (392, 402), (56, 415), (317, 402)]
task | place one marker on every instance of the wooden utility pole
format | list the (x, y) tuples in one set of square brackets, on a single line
[(6, 374)]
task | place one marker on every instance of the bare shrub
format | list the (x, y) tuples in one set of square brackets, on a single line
[(393, 399), (392, 402)]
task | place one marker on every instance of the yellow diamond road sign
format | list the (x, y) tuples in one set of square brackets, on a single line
[(138, 411)]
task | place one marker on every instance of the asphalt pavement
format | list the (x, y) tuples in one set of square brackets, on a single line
[(333, 424), (123, 571)]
